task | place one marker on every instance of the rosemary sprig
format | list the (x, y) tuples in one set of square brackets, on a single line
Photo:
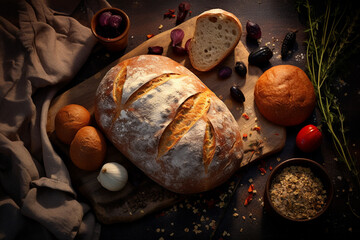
[(330, 34)]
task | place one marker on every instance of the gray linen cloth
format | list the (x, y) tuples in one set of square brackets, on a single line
[(42, 47)]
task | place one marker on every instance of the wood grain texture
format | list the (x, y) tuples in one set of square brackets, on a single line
[(111, 207)]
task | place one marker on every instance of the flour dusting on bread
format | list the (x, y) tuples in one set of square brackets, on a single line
[(161, 99)]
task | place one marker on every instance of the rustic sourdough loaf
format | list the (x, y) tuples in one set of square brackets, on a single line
[(168, 123), (217, 32), (284, 95)]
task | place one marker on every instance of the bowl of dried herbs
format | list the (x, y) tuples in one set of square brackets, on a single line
[(299, 189)]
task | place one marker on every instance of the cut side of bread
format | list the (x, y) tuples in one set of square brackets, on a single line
[(217, 32)]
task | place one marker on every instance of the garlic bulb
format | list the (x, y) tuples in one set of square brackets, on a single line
[(113, 176)]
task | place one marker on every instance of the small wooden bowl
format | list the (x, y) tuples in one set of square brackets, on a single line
[(117, 43), (318, 172)]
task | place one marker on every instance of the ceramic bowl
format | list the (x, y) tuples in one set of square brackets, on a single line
[(119, 42), (318, 172)]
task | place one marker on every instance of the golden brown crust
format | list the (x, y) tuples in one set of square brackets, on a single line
[(284, 95), (168, 120), (68, 120), (88, 149), (194, 108)]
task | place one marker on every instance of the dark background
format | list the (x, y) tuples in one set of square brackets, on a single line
[(213, 214)]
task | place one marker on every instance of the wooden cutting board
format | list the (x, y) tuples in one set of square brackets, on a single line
[(141, 195)]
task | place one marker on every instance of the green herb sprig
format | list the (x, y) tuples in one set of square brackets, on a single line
[(332, 29)]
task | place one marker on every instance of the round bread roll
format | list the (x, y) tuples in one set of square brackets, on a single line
[(88, 149), (284, 95), (69, 120)]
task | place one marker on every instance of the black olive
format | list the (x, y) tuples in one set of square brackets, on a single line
[(224, 72), (260, 56), (155, 50), (253, 30), (241, 69), (288, 44), (237, 94)]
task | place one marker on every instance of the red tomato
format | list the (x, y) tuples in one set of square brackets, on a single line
[(309, 138)]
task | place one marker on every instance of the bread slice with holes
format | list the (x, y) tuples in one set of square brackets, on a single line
[(217, 32), (168, 123)]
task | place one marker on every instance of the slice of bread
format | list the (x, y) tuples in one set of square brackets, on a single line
[(217, 32)]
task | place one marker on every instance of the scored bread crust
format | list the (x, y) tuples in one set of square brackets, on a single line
[(216, 34), (285, 95), (168, 123)]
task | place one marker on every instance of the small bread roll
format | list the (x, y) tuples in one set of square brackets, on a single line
[(69, 120), (284, 95), (88, 149)]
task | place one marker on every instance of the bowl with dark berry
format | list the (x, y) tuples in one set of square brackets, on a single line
[(111, 27)]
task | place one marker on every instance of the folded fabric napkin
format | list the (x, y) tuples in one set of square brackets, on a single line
[(42, 47)]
